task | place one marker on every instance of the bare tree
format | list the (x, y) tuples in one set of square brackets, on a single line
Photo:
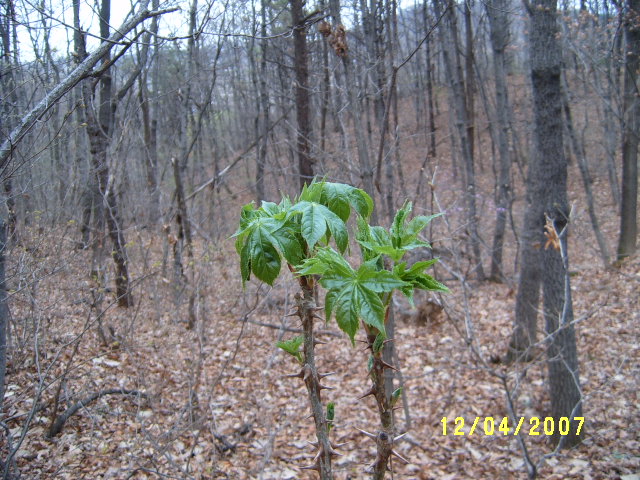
[(548, 212), (99, 126)]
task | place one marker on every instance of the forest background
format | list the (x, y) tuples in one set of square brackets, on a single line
[(132, 135)]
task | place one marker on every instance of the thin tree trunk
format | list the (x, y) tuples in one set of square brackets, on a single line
[(341, 49), (459, 94), (263, 108), (98, 130), (498, 23), (630, 133), (583, 166), (303, 97), (179, 169), (149, 122), (4, 312)]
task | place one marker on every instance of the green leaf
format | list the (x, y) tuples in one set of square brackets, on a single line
[(331, 413), (312, 192), (378, 280), (427, 282), (346, 314), (395, 396), (271, 208), (245, 264), (329, 304), (361, 202), (326, 261), (292, 346), (369, 307), (289, 245), (336, 197), (417, 224), (378, 343), (338, 230), (313, 223), (397, 227), (265, 259)]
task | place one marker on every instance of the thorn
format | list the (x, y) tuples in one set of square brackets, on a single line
[(311, 467), (318, 342), (317, 316), (368, 434), (323, 375), (334, 453), (300, 374), (324, 387), (306, 372), (338, 445), (388, 340), (293, 314), (313, 444), (371, 391), (399, 437), (386, 365), (393, 452)]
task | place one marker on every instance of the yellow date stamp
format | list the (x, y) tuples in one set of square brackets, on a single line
[(505, 426)]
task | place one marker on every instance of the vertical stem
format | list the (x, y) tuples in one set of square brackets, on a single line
[(306, 310)]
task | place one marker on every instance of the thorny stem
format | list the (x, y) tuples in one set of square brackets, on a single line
[(306, 310), (385, 436)]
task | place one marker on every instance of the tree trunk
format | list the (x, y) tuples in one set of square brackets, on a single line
[(98, 131), (499, 25), (548, 173), (459, 93), (262, 119), (179, 169), (303, 97), (583, 166), (149, 123), (9, 105), (630, 132), (339, 43), (4, 312)]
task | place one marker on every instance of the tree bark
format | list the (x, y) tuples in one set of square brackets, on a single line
[(303, 97), (630, 131), (549, 207)]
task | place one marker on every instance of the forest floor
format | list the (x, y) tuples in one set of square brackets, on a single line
[(213, 402)]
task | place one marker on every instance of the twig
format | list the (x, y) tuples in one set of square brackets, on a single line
[(69, 412)]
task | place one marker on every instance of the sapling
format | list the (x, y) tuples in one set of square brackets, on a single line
[(300, 233)]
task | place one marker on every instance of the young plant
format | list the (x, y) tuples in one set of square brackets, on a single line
[(295, 231), (299, 232)]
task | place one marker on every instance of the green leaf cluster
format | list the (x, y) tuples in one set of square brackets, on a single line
[(300, 232), (292, 347), (291, 230)]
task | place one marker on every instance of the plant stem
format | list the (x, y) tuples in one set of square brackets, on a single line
[(384, 437), (306, 310)]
